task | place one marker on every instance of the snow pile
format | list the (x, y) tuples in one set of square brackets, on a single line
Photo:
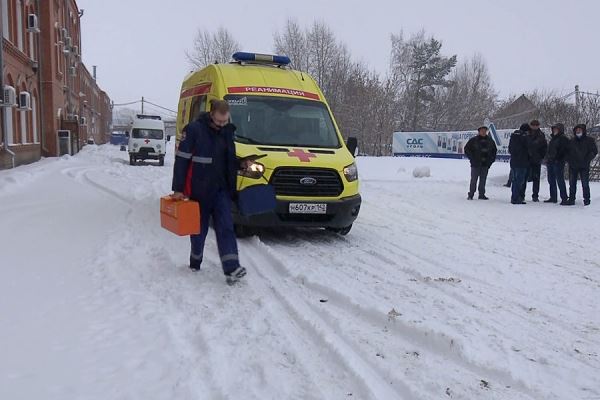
[(422, 172), (429, 297)]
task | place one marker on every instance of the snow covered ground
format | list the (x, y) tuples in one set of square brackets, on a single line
[(429, 297)]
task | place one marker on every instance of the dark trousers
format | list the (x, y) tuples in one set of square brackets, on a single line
[(510, 178), (556, 177), (584, 174), (220, 212), (478, 173), (533, 175), (519, 180)]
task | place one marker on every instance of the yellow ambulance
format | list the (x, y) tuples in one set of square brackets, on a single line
[(286, 127)]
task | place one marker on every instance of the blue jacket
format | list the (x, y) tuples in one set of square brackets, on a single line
[(518, 147), (205, 162)]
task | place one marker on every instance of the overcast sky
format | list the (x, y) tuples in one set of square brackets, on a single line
[(139, 45)]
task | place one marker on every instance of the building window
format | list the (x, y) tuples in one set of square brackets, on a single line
[(31, 36), (34, 120), (5, 20), (8, 115), (20, 30)]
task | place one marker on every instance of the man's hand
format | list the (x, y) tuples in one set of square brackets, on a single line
[(178, 196)]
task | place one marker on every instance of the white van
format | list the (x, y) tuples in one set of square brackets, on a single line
[(147, 139)]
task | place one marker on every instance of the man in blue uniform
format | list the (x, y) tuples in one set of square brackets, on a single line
[(206, 171)]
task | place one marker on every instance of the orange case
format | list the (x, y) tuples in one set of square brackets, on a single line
[(182, 217)]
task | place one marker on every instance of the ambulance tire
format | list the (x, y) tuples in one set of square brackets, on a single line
[(161, 161), (244, 231), (132, 160)]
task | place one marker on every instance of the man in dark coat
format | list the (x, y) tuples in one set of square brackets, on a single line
[(481, 152), (518, 147), (582, 150), (538, 146), (557, 154), (205, 170)]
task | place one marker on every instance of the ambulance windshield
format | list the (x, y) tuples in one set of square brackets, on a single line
[(155, 134), (282, 121)]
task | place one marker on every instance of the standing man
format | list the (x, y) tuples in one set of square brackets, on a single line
[(582, 150), (206, 171), (481, 151), (557, 155), (518, 147), (538, 146)]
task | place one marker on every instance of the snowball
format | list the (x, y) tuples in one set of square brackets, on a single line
[(422, 172)]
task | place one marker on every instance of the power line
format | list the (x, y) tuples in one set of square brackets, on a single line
[(127, 104), (161, 107)]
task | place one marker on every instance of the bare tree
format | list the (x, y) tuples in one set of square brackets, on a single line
[(292, 42), (212, 47), (468, 101)]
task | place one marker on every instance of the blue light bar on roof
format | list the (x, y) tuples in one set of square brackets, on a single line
[(241, 56)]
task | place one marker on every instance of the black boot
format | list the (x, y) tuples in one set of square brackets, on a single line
[(195, 264), (551, 201), (586, 202), (469, 196), (482, 197)]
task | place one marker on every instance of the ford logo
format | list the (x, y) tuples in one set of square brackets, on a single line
[(308, 181)]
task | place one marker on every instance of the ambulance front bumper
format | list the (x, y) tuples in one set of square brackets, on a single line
[(339, 214)]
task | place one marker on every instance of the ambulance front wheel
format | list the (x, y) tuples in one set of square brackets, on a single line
[(131, 160), (243, 231), (161, 161), (341, 231)]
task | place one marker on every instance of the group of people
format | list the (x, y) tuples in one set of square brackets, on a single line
[(529, 149)]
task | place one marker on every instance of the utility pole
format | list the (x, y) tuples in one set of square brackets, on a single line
[(577, 102), (142, 105)]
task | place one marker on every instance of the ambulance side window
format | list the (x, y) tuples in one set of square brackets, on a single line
[(198, 106)]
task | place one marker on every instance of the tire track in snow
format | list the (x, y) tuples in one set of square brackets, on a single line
[(441, 344), (374, 380), (316, 242)]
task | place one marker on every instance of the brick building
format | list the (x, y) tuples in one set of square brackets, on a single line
[(66, 106), (21, 134)]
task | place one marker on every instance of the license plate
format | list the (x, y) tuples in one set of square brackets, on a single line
[(308, 208)]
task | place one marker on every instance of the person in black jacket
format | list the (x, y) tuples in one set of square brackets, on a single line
[(518, 147), (557, 155), (481, 152), (582, 150), (205, 170), (538, 146)]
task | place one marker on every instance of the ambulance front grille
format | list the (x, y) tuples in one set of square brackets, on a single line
[(327, 182)]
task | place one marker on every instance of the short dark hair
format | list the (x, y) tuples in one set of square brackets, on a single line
[(219, 106), (535, 122)]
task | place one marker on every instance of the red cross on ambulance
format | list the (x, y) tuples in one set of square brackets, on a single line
[(302, 155)]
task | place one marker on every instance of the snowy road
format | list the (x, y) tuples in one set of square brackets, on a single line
[(429, 297)]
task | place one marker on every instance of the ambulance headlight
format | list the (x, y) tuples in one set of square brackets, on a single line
[(158, 146), (252, 169), (135, 145), (351, 172)]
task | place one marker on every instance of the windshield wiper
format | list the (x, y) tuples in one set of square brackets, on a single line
[(248, 139)]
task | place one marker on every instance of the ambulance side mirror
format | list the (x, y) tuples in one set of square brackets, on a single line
[(168, 138), (352, 145)]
